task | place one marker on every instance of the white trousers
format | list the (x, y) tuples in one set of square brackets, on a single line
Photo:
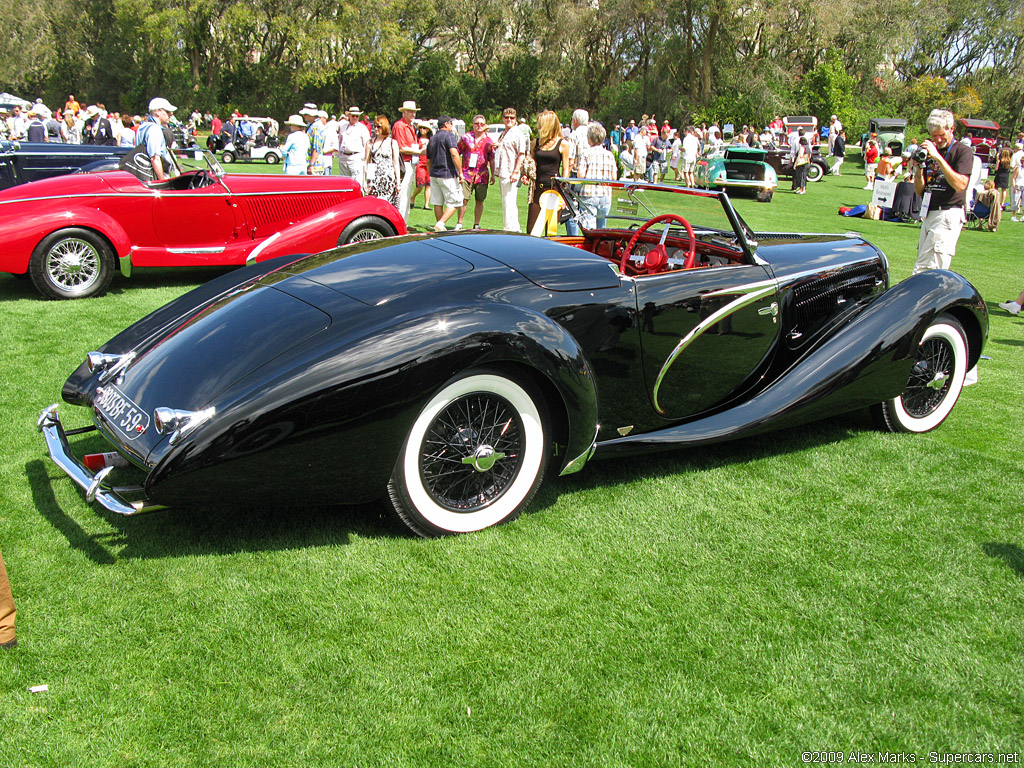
[(352, 165), (406, 191), (509, 205), (939, 232)]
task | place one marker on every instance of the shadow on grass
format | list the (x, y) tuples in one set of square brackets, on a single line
[(708, 457), (1008, 342), (1011, 554), (186, 531), (20, 287)]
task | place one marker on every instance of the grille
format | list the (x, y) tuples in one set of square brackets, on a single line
[(816, 300), (273, 211)]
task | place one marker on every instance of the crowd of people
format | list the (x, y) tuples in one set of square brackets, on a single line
[(399, 161)]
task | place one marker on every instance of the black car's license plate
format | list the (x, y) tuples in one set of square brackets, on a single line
[(120, 412)]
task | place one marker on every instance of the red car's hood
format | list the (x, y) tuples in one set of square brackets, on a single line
[(242, 183)]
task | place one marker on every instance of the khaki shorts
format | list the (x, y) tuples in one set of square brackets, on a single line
[(447, 192), (471, 190)]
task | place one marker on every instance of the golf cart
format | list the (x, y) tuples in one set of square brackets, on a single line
[(265, 145)]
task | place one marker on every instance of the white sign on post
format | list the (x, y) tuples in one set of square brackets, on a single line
[(883, 194)]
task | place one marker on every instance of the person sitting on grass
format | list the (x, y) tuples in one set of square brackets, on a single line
[(1013, 306)]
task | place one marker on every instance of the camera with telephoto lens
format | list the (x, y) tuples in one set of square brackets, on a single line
[(930, 169), (920, 154)]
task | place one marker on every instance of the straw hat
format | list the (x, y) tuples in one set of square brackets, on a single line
[(410, 106), (295, 120)]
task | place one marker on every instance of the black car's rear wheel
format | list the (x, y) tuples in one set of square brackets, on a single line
[(474, 457), (815, 172), (72, 263), (935, 382)]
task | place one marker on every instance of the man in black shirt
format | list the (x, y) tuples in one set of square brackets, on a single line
[(445, 172), (943, 181)]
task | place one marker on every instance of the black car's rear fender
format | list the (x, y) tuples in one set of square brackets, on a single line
[(863, 362), (154, 325), (343, 406)]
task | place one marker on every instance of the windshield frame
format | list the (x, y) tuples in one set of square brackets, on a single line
[(742, 236)]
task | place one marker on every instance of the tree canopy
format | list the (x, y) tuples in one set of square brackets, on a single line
[(732, 60)]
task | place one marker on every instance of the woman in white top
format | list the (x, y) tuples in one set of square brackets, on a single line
[(382, 152)]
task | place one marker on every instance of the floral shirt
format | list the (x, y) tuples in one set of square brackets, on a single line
[(477, 157), (316, 134)]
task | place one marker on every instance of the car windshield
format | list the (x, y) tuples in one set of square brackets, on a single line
[(195, 159), (632, 203)]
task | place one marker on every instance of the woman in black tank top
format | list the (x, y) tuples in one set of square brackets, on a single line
[(551, 162)]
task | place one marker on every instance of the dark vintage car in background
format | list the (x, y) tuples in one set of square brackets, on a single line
[(447, 373), (71, 234), (25, 161), (779, 159)]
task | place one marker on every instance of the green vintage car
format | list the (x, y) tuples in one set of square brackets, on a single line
[(738, 169)]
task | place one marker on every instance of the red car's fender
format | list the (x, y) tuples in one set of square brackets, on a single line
[(322, 231), (22, 232)]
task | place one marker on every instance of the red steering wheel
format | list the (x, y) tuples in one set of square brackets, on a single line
[(656, 259)]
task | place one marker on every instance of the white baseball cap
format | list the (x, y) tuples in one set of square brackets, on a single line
[(161, 103)]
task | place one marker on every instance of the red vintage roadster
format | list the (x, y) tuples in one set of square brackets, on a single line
[(70, 234)]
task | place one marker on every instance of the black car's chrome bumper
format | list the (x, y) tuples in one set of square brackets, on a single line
[(110, 498)]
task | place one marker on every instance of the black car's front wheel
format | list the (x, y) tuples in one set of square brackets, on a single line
[(815, 173), (936, 379), (473, 458), (72, 263)]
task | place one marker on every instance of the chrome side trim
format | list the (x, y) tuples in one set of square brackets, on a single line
[(748, 295), (212, 249), (578, 463), (83, 196), (57, 444)]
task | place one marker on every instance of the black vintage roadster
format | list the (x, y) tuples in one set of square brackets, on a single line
[(447, 373)]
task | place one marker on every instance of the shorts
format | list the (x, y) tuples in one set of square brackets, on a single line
[(688, 166), (479, 191), (447, 192), (870, 168)]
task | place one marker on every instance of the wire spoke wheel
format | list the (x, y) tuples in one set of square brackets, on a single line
[(365, 234), (73, 264), (930, 378), (472, 452), (473, 458)]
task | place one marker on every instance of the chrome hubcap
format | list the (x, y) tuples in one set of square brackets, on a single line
[(483, 458)]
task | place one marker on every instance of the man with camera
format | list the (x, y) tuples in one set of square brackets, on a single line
[(943, 173)]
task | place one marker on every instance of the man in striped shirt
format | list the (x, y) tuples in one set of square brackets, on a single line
[(596, 162)]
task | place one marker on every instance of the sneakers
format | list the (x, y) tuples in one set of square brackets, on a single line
[(439, 227), (869, 186), (458, 226), (1014, 218), (1010, 306)]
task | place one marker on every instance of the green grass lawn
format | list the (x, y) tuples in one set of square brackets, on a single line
[(827, 587)]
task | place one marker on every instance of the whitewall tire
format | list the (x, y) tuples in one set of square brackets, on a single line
[(473, 458), (935, 381)]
